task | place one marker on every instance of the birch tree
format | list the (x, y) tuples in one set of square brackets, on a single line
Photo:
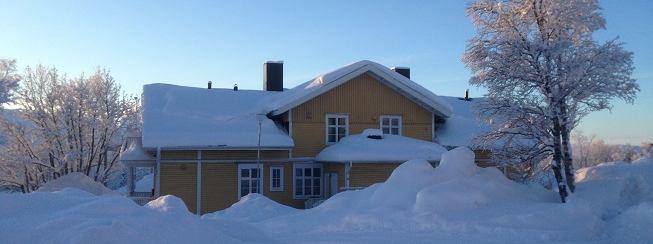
[(8, 79), (541, 65), (65, 125)]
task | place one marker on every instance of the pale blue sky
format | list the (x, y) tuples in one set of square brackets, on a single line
[(191, 42)]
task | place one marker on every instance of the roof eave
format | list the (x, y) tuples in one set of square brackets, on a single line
[(359, 71)]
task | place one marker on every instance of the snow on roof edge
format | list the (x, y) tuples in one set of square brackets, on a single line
[(327, 81)]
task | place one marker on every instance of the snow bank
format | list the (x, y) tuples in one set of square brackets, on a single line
[(456, 202), (74, 216), (459, 202), (612, 188), (395, 148), (242, 210), (76, 180), (168, 204)]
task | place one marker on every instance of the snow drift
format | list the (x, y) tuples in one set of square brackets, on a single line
[(242, 210), (460, 202), (75, 216), (76, 180), (456, 202)]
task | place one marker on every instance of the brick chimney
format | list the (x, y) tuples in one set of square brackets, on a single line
[(405, 71), (273, 76)]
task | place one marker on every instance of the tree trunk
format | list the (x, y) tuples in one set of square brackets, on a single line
[(566, 148), (27, 188), (557, 160)]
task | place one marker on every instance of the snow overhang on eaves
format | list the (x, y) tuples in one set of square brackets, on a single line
[(399, 83)]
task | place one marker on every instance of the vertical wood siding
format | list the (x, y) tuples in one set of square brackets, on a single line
[(364, 98), (179, 179), (367, 174), (219, 186), (220, 180), (285, 196)]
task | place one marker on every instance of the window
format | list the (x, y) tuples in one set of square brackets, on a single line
[(308, 180), (276, 178), (390, 124), (337, 127), (249, 179)]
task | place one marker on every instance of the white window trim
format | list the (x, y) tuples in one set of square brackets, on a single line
[(280, 168), (249, 166), (294, 176), (391, 117), (326, 126)]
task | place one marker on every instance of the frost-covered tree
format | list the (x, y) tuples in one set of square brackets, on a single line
[(544, 72), (64, 125), (8, 79)]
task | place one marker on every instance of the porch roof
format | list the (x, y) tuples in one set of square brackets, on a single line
[(390, 148)]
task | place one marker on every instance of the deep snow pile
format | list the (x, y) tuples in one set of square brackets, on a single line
[(456, 202), (460, 202), (75, 216), (242, 210), (76, 180)]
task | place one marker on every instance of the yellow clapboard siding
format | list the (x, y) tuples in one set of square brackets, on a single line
[(219, 186), (364, 98), (180, 179), (367, 174)]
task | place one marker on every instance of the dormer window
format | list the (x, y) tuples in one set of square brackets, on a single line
[(390, 124)]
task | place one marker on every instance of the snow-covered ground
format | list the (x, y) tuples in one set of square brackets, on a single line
[(456, 202)]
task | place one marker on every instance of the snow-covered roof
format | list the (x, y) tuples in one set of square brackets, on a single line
[(185, 117), (391, 148), (463, 125), (323, 83), (135, 152)]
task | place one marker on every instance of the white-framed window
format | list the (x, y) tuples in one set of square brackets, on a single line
[(249, 179), (276, 178), (307, 179), (337, 127), (390, 124)]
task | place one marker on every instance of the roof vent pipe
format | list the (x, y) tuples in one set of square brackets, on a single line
[(209, 85), (466, 94), (236, 87)]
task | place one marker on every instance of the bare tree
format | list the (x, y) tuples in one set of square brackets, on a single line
[(582, 148), (539, 59), (8, 80), (66, 125)]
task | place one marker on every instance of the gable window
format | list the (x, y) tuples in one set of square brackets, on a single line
[(337, 127), (390, 124), (249, 179), (308, 180), (276, 178)]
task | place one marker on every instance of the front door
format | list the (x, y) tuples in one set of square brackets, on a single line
[(333, 183)]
